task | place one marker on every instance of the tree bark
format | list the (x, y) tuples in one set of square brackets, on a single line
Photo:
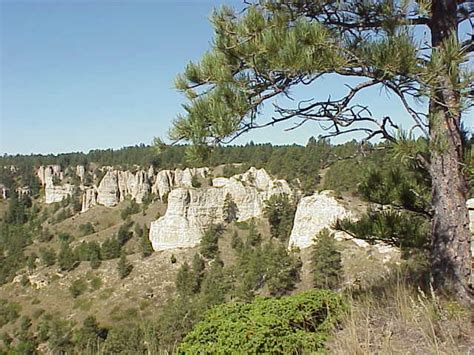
[(451, 237)]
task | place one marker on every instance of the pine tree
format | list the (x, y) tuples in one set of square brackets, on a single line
[(66, 258), (230, 209), (271, 48), (327, 269), (145, 243), (124, 268), (280, 213)]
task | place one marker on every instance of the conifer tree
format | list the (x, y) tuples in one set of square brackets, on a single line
[(66, 258), (327, 266), (124, 268), (230, 209), (272, 47)]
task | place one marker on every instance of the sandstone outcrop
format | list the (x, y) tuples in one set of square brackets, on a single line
[(108, 193), (320, 211), (81, 172), (313, 214), (166, 180), (190, 211), (45, 173), (89, 198), (57, 193)]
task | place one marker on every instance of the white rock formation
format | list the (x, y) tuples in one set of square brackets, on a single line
[(108, 191), (57, 193), (46, 172), (190, 211), (313, 214), (166, 180), (81, 172), (163, 183), (89, 198)]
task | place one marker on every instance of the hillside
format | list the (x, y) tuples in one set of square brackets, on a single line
[(143, 251)]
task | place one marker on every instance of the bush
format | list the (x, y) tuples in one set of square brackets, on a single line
[(195, 182), (132, 208), (8, 312), (124, 268), (47, 256), (86, 228), (289, 325), (78, 287)]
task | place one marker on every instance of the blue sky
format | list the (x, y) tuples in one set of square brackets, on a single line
[(80, 75)]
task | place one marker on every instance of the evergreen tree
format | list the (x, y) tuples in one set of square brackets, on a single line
[(124, 268), (145, 243), (48, 256), (209, 243), (230, 209), (110, 249), (280, 212), (66, 258), (327, 265), (272, 47)]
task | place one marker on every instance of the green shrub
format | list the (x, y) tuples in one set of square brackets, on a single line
[(9, 311), (86, 228), (289, 325), (78, 287)]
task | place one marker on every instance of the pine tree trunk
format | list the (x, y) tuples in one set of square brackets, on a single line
[(451, 239)]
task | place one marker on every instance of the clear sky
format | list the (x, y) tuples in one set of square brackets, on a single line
[(79, 75)]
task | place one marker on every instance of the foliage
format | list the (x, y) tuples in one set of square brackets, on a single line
[(110, 249), (47, 256), (130, 209), (124, 268), (67, 259), (86, 228), (78, 287), (195, 182), (327, 264), (230, 209), (292, 324), (145, 243), (280, 212), (9, 311), (208, 246)]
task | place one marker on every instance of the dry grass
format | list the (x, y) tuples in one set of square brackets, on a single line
[(398, 318)]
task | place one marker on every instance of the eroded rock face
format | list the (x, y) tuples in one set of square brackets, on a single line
[(108, 190), (45, 173), (81, 172), (313, 214), (89, 198), (163, 183), (320, 211), (166, 180), (57, 193), (191, 211)]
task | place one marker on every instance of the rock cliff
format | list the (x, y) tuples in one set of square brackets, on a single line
[(190, 211), (313, 214), (57, 193)]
